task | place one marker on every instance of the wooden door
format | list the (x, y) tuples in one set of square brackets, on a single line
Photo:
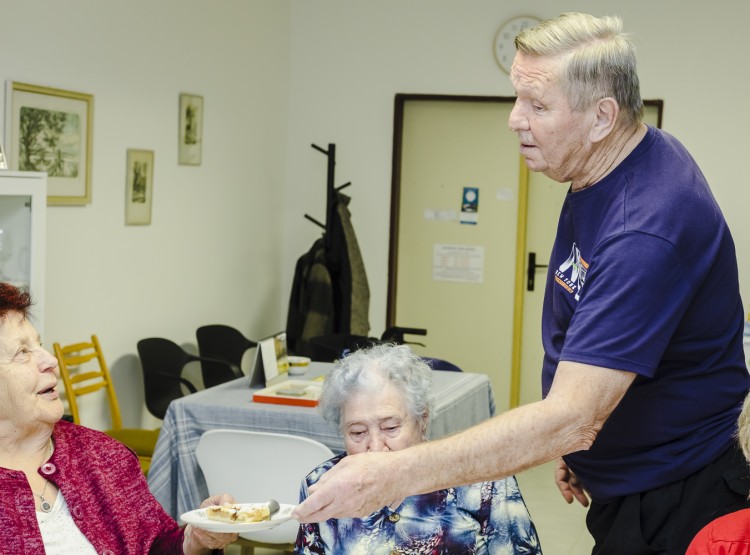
[(450, 274)]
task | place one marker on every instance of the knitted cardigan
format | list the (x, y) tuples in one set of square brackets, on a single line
[(105, 490)]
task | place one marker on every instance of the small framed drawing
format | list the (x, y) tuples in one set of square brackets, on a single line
[(191, 129), (50, 130), (139, 186)]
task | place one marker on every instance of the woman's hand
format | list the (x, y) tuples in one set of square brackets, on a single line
[(200, 542), (569, 484)]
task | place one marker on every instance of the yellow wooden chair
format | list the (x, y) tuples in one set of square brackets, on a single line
[(84, 370)]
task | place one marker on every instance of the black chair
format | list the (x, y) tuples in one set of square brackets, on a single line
[(221, 343), (395, 334), (440, 364), (162, 361), (333, 347), (328, 348)]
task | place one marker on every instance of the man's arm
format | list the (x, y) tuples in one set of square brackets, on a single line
[(579, 402)]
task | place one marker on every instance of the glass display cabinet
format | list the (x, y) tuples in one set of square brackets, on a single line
[(23, 205)]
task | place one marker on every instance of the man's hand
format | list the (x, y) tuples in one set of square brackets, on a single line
[(198, 541), (356, 487), (569, 485)]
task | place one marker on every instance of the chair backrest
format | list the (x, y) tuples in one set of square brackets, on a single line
[(84, 370), (395, 334), (162, 361), (217, 341), (440, 364), (257, 466)]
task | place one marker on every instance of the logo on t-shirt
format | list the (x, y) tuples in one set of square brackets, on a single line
[(571, 274)]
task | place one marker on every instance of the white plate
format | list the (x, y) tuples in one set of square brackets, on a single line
[(198, 518)]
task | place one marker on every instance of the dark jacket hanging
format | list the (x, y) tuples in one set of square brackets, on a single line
[(351, 292), (311, 302)]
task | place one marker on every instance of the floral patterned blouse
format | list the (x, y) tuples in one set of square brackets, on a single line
[(489, 518)]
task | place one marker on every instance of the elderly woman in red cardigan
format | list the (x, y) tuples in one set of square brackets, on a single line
[(66, 488)]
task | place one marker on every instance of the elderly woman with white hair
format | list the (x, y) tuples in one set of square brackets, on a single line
[(380, 398)]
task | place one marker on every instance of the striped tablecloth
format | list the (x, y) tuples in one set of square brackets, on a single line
[(461, 400)]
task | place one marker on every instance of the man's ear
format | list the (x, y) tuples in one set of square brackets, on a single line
[(606, 114)]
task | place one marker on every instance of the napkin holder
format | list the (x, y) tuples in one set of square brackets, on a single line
[(271, 363)]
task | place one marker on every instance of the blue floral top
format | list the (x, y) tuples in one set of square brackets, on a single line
[(490, 518)]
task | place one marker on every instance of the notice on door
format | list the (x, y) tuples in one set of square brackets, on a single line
[(470, 206), (462, 263)]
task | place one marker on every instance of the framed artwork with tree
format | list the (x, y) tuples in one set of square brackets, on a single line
[(50, 130)]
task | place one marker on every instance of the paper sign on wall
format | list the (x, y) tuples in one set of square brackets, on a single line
[(462, 263), (470, 206)]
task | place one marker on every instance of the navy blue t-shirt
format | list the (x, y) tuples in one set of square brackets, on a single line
[(643, 278)]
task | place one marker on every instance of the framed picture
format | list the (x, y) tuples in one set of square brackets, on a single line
[(191, 129), (50, 130), (139, 186)]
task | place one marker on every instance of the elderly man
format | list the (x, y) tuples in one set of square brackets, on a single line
[(644, 375)]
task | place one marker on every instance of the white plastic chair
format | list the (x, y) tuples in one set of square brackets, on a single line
[(255, 467)]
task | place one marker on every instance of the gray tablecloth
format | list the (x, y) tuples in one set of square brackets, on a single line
[(461, 400)]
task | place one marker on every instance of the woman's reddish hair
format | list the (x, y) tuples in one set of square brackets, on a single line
[(14, 299)]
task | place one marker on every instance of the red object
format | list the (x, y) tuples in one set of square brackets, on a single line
[(307, 393), (284, 400)]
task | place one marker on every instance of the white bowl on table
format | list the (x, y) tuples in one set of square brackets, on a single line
[(298, 366)]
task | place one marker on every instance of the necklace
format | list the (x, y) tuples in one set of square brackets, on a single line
[(43, 503)]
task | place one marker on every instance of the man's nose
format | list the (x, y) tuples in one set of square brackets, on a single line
[(516, 121)]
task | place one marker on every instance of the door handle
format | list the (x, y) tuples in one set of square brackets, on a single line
[(531, 271)]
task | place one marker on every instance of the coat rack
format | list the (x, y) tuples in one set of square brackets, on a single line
[(331, 190)]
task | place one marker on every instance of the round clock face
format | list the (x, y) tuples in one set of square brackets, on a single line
[(505, 49)]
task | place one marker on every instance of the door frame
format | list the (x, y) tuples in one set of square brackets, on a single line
[(398, 127)]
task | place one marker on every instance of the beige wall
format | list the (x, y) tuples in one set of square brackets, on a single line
[(211, 253), (278, 75)]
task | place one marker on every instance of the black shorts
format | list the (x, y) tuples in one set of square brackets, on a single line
[(666, 519)]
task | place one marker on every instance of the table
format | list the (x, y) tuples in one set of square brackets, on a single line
[(461, 400)]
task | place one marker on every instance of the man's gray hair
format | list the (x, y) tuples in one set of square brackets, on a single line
[(598, 60), (363, 371)]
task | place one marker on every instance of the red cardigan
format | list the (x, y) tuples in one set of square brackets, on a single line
[(727, 535), (105, 490)]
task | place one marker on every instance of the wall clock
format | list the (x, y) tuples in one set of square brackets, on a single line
[(505, 49)]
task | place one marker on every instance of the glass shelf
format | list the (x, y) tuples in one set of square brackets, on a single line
[(23, 203)]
